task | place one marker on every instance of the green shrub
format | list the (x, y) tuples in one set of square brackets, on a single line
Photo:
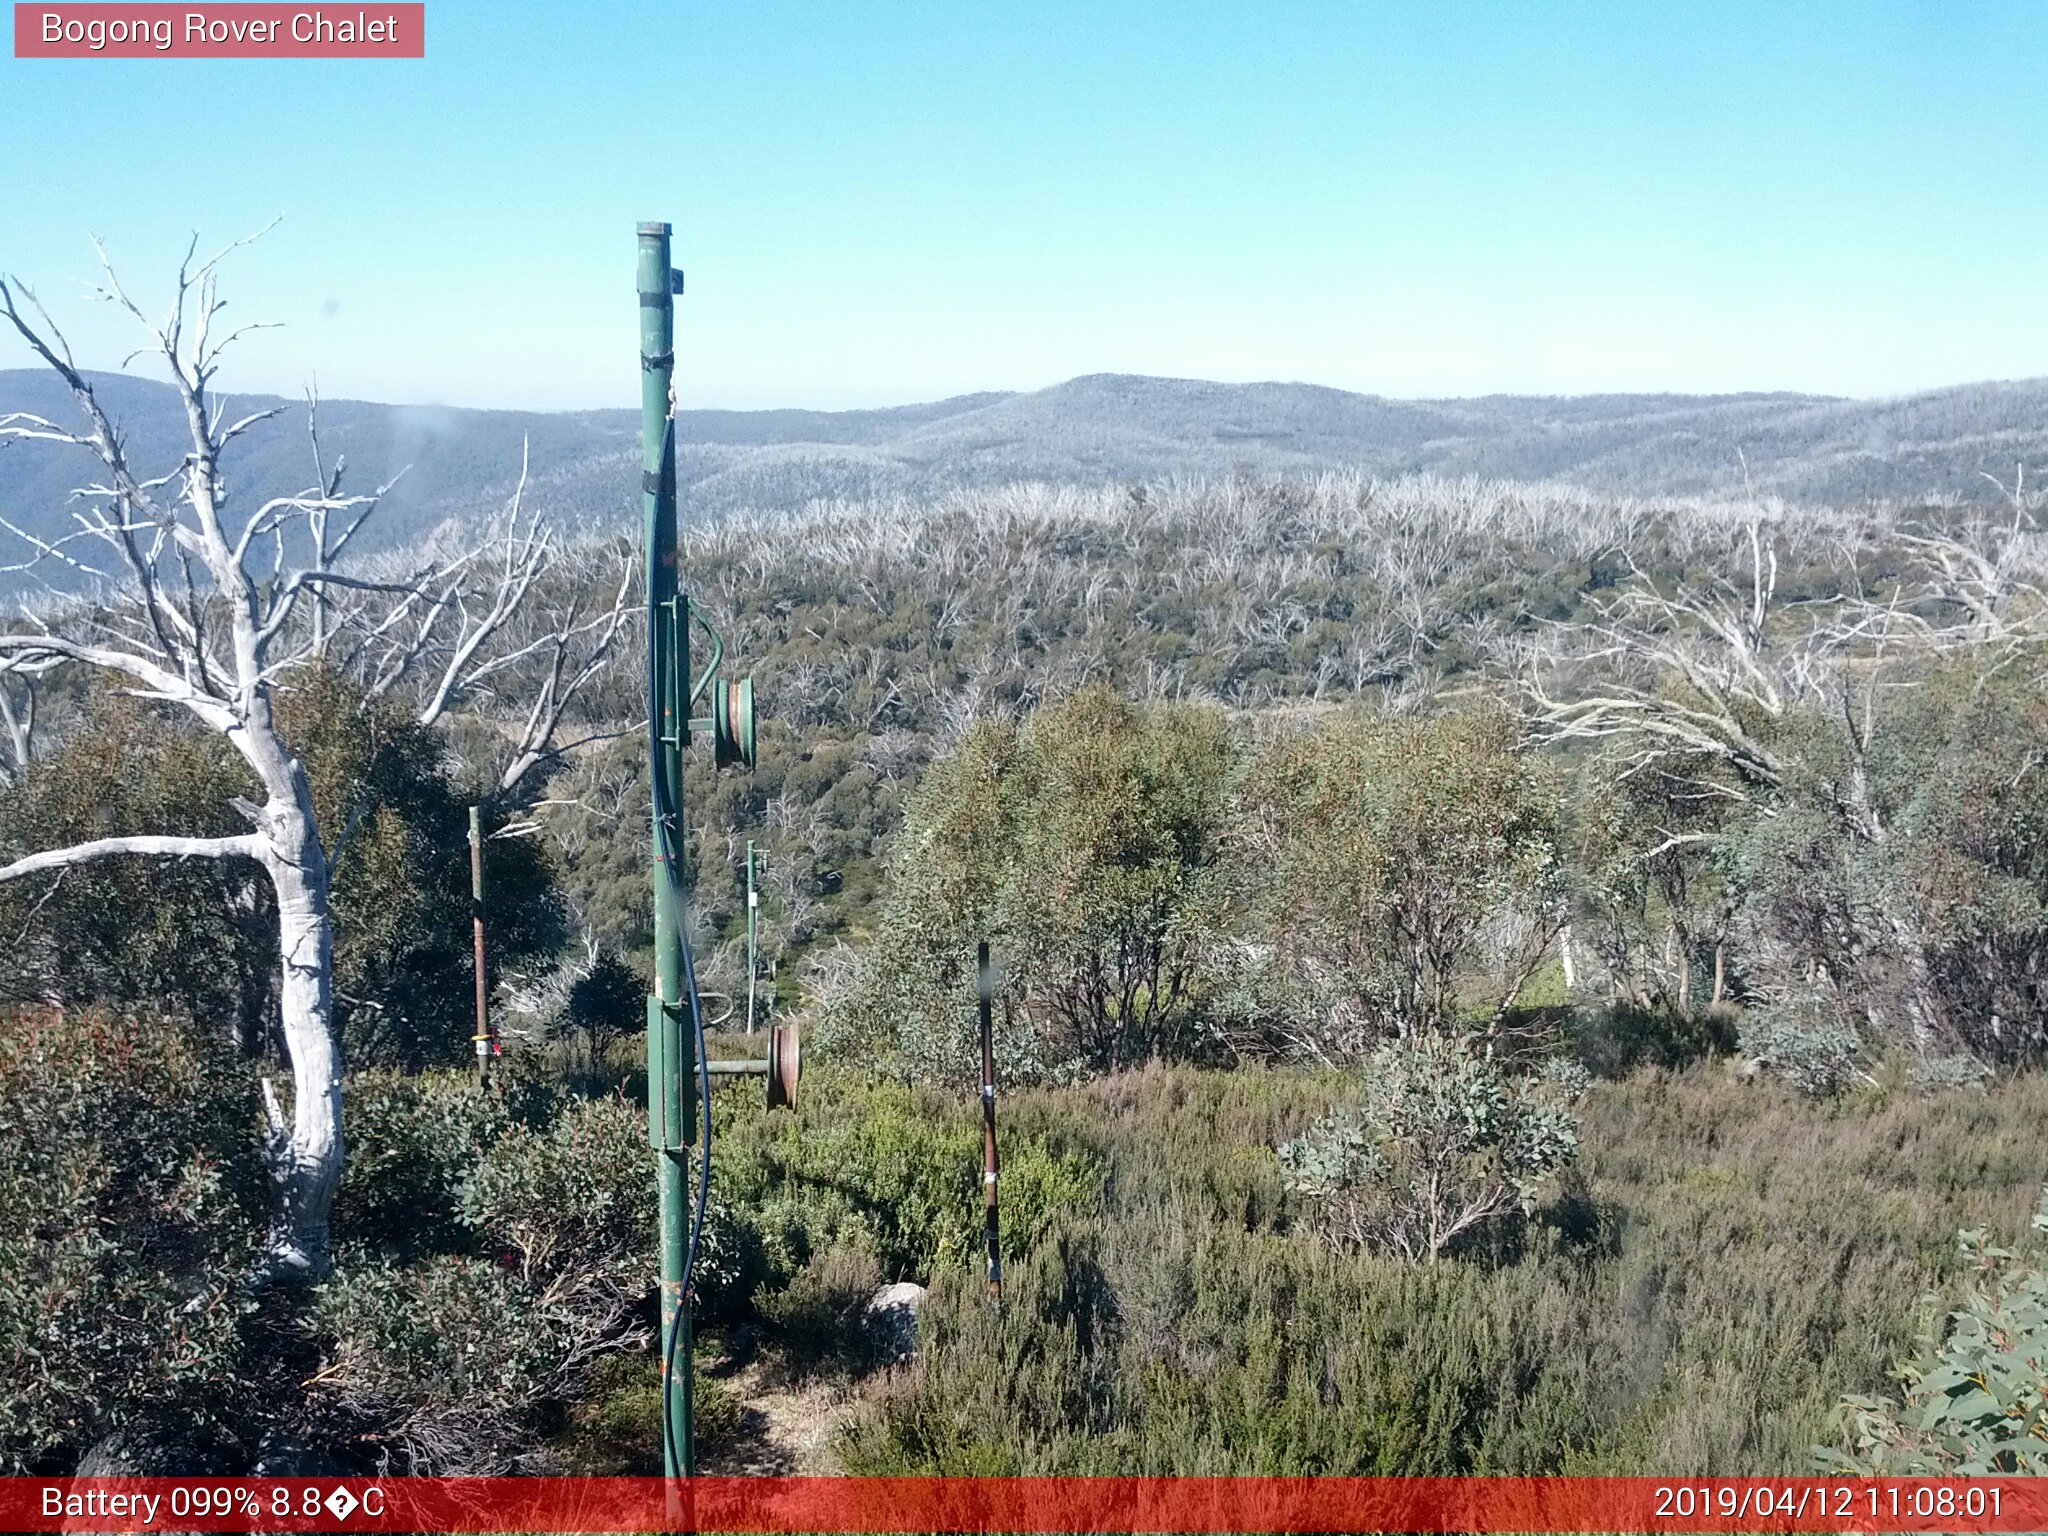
[(716, 1412), (817, 1316), (447, 1362), (574, 1202), (1959, 1072), (451, 1362), (615, 1429), (1975, 1399), (1442, 1144), (571, 1203), (195, 938), (1729, 1265), (131, 1201), (1616, 1039), (1040, 1186), (1380, 855), (606, 1003), (894, 1170), (1162, 1344), (865, 1164), (413, 1141), (1804, 1042), (1085, 846)]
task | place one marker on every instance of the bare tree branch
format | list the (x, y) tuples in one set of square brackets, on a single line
[(247, 846)]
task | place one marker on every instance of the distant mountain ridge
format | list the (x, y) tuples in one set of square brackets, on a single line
[(1090, 430)]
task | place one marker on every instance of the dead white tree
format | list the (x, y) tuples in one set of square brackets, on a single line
[(1677, 679), (18, 704), (1681, 676), (507, 625), (208, 612)]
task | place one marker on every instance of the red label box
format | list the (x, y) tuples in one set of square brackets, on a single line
[(372, 30), (1189, 1505)]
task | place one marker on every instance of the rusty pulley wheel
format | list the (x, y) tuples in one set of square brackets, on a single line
[(732, 722), (784, 1062)]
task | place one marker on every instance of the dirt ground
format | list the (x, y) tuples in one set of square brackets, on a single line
[(789, 1428)]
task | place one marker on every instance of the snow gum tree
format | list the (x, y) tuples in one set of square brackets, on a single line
[(204, 605)]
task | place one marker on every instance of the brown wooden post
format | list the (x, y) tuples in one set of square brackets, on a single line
[(992, 1225), (486, 1043)]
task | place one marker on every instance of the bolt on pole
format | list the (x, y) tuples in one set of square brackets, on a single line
[(991, 1224), (484, 1041), (671, 1049)]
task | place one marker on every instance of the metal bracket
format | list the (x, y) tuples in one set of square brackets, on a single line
[(711, 667), (671, 1104)]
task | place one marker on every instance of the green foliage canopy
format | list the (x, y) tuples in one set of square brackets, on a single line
[(1085, 845), (1380, 852), (200, 935)]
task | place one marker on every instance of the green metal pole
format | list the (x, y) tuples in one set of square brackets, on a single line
[(671, 1066), (753, 968)]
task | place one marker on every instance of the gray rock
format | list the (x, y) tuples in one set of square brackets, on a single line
[(134, 1452), (890, 1321), (285, 1455)]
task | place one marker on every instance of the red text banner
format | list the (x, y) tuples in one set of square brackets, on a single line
[(221, 31), (1025, 1504)]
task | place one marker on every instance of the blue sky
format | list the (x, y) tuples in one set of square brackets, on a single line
[(886, 202)]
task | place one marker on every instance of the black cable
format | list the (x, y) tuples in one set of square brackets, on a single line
[(665, 834)]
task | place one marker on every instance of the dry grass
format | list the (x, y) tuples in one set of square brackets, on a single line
[(1728, 1263)]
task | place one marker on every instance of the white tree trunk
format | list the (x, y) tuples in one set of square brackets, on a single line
[(305, 1152)]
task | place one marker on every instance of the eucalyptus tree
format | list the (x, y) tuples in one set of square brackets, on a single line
[(209, 607), (1086, 845), (1402, 875)]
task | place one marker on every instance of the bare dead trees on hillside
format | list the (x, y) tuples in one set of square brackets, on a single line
[(1721, 706)]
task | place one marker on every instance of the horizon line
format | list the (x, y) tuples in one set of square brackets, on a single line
[(1817, 397)]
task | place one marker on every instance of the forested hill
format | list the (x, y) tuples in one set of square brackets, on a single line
[(1087, 431)]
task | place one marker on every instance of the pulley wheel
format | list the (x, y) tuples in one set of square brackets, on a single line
[(784, 1061), (732, 722)]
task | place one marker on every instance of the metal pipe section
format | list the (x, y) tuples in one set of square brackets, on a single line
[(739, 1066), (753, 904)]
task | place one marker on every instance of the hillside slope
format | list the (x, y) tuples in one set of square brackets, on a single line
[(1088, 431)]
